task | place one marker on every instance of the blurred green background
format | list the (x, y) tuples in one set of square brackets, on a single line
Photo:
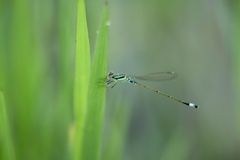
[(199, 40)]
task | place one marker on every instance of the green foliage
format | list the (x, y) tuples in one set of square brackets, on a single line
[(115, 137), (96, 95), (37, 79), (6, 146), (89, 94), (82, 73), (52, 98)]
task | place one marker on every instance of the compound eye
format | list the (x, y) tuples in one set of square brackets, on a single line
[(110, 73)]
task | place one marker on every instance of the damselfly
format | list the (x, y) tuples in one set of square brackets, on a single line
[(112, 80)]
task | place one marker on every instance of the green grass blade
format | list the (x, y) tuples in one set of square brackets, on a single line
[(236, 56), (96, 95), (21, 80), (116, 136), (6, 146), (82, 73)]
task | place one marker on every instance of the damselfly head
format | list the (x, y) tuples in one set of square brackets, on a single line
[(110, 74)]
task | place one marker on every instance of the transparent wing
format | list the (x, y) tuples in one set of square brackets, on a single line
[(159, 76)]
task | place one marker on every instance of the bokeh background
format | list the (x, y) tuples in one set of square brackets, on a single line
[(199, 40), (196, 40)]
